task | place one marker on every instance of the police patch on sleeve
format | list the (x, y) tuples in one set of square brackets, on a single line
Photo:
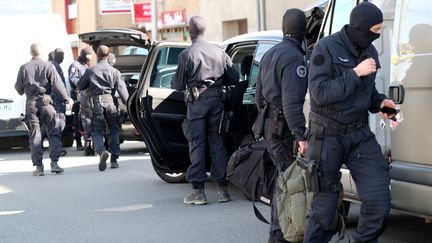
[(301, 71), (73, 69)]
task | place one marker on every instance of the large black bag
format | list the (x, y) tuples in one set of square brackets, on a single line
[(251, 169)]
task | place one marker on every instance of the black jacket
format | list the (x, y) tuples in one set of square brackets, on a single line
[(335, 89), (282, 75)]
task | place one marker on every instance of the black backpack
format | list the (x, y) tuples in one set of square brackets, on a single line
[(251, 169)]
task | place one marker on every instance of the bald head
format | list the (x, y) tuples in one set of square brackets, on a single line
[(197, 27), (35, 49), (102, 52)]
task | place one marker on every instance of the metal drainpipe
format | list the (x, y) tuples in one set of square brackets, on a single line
[(261, 14), (154, 20)]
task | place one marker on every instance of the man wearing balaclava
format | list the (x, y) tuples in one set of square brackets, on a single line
[(342, 92), (281, 88), (76, 71), (102, 81), (202, 70), (59, 105)]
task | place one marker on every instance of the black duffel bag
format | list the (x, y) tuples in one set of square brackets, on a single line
[(251, 169)]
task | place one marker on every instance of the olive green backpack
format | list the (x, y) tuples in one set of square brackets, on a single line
[(293, 203)]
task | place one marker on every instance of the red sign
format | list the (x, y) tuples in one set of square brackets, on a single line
[(173, 18), (141, 12)]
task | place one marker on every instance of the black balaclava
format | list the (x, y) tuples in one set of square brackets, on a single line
[(294, 24), (362, 18), (197, 27), (85, 55), (58, 55)]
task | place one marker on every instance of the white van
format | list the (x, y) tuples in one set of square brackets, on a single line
[(405, 53), (18, 33)]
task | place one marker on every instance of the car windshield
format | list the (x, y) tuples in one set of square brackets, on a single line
[(135, 50)]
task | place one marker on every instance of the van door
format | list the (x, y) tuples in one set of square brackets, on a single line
[(411, 142)]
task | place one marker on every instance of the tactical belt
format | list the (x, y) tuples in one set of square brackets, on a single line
[(323, 126), (103, 97)]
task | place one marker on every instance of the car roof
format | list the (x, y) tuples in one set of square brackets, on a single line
[(269, 35)]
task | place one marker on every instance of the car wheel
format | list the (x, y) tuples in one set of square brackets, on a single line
[(172, 177), (67, 139)]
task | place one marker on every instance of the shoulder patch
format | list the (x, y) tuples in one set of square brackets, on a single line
[(301, 71), (73, 69), (318, 60)]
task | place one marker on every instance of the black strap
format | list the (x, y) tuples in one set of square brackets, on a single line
[(258, 214)]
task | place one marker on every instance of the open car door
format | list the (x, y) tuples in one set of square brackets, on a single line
[(157, 111)]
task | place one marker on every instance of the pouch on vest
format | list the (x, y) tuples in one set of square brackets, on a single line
[(258, 126)]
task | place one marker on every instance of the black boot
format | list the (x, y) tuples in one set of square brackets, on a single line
[(88, 150), (55, 168), (79, 145), (277, 237), (114, 164), (223, 195), (39, 170), (102, 160)]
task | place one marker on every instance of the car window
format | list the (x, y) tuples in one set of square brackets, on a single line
[(415, 30), (134, 50), (165, 66), (238, 55), (123, 50), (339, 16), (260, 51)]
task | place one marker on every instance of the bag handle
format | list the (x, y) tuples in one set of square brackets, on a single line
[(258, 214)]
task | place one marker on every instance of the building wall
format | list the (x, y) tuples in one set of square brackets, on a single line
[(224, 19), (222, 16)]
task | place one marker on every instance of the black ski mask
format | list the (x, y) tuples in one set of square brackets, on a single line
[(362, 18), (294, 24)]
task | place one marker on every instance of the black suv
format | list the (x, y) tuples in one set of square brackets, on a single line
[(131, 49), (157, 111)]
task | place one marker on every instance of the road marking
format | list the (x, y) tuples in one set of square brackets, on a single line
[(2, 213), (127, 208), (4, 190)]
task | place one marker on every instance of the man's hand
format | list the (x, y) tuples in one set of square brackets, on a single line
[(69, 103), (303, 145), (366, 67)]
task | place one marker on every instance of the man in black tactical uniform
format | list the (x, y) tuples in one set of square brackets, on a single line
[(103, 80), (59, 105), (37, 79), (81, 108), (342, 90), (200, 70), (281, 88)]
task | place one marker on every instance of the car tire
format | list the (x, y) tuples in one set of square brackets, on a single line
[(172, 177), (67, 139)]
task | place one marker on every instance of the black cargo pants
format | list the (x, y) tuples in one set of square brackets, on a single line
[(201, 124), (361, 153)]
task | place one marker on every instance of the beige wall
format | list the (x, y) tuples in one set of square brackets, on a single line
[(217, 14), (275, 9), (222, 17)]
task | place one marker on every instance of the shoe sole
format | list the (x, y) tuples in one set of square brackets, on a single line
[(195, 202), (102, 162), (57, 171), (224, 200)]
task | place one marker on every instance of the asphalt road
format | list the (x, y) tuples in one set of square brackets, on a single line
[(131, 204)]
